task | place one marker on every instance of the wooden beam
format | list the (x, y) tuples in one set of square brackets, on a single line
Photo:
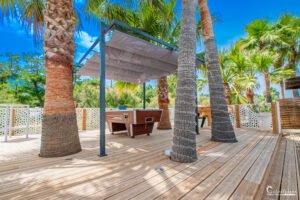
[(84, 119), (292, 83), (274, 118)]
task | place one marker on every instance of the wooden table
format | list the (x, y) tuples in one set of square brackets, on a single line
[(205, 111), (135, 122)]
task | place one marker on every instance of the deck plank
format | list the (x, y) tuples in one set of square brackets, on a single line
[(251, 182), (289, 177), (275, 176)]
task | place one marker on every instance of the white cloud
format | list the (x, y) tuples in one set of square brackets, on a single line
[(230, 42), (85, 40)]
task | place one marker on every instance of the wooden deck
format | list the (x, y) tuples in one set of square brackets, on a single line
[(283, 179), (137, 169)]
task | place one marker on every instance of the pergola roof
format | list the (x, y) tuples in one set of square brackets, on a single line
[(131, 59)]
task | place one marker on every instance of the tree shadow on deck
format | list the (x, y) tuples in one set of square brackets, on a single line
[(83, 174)]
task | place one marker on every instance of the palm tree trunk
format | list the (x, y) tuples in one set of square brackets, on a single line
[(222, 129), (227, 91), (250, 95), (59, 126), (268, 90), (184, 136), (282, 88), (163, 103), (294, 64)]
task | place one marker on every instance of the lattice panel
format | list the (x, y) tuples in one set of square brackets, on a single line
[(232, 115), (251, 119), (3, 120), (92, 118), (35, 122), (79, 115), (21, 121)]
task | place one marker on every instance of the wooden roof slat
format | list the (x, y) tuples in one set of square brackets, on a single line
[(292, 83)]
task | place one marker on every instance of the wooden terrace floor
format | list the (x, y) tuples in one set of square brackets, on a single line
[(137, 169)]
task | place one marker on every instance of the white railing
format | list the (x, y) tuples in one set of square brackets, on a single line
[(20, 119), (248, 116)]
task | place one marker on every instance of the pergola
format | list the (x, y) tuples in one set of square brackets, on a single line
[(125, 57)]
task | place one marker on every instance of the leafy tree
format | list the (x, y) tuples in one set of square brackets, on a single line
[(86, 93), (22, 79), (32, 80)]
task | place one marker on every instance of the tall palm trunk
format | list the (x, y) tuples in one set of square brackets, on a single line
[(184, 136), (227, 91), (293, 63), (59, 127), (222, 129), (268, 89), (282, 88), (163, 103), (250, 95)]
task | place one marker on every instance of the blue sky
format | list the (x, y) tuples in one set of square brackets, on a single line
[(233, 16)]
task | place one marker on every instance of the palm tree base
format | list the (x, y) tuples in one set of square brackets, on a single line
[(184, 153), (224, 140), (182, 158), (59, 135)]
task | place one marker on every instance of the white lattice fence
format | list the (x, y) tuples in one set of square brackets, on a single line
[(22, 120), (4, 114), (92, 118), (79, 115), (35, 122), (252, 116)]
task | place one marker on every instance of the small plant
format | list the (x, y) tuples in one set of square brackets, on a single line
[(260, 108)]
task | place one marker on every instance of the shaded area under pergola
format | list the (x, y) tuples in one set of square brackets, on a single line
[(127, 58)]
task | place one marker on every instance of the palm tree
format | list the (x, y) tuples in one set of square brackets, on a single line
[(163, 102), (222, 129), (278, 76), (288, 28), (184, 135), (263, 61), (59, 127), (245, 71), (228, 75), (261, 36)]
